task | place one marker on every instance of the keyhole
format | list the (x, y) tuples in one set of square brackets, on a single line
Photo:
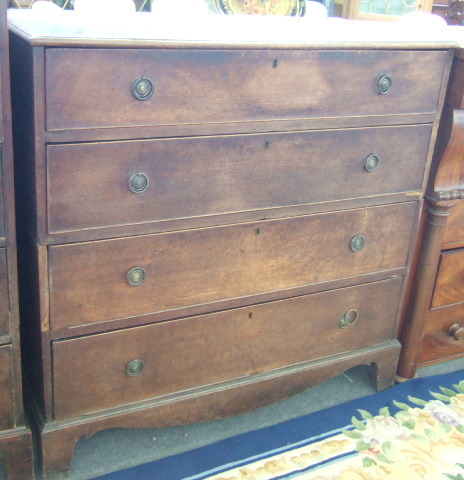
[(258, 231), (275, 64), (267, 144), (250, 315)]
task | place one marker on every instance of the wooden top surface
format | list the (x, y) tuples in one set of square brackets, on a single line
[(219, 31)]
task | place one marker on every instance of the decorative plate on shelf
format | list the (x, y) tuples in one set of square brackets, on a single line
[(260, 7)]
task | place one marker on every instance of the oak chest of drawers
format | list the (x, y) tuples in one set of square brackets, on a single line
[(212, 226)]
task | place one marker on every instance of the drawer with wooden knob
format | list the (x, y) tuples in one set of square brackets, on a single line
[(92, 185), (135, 364), (449, 286), (96, 281), (6, 388), (185, 86), (443, 335)]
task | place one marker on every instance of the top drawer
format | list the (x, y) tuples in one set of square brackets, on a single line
[(84, 88)]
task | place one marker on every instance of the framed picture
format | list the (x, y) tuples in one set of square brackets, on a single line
[(259, 7)]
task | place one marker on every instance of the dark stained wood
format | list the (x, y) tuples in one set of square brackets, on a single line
[(423, 332), (15, 438), (88, 184), (182, 354), (16, 454), (454, 231), (217, 401), (7, 420), (205, 129), (209, 86), (438, 342), (449, 286), (4, 300), (228, 262)]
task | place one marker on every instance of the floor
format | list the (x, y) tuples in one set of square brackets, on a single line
[(116, 449)]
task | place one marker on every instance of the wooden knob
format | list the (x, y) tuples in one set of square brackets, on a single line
[(456, 331)]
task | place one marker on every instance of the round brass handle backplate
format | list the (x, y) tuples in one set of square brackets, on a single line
[(134, 367), (371, 163), (349, 318), (384, 83), (136, 276), (142, 88), (138, 182), (357, 243)]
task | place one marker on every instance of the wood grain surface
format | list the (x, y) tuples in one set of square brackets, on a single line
[(208, 86)]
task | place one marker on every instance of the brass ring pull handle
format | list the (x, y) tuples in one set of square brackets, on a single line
[(357, 243), (456, 332), (142, 88), (371, 163), (384, 83), (138, 182), (349, 318), (136, 276), (134, 367)]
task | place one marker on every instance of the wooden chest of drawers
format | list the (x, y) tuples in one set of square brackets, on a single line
[(15, 438), (212, 227)]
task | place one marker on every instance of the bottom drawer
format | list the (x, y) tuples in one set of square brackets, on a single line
[(111, 369), (6, 389), (438, 341)]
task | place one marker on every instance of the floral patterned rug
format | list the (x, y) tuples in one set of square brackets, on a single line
[(411, 431)]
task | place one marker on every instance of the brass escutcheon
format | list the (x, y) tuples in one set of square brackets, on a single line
[(142, 88), (134, 367)]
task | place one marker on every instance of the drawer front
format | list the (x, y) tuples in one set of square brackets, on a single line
[(121, 183), (207, 349), (6, 389), (440, 339), (217, 86), (449, 287), (454, 231), (94, 281), (4, 301)]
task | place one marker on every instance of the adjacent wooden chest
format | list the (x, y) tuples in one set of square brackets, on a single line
[(213, 227), (15, 438)]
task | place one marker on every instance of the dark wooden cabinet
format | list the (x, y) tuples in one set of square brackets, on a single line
[(211, 226), (434, 327), (15, 438)]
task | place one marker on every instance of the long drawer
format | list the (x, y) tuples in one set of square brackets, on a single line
[(4, 301), (125, 366), (6, 389), (95, 281), (449, 286), (93, 185), (171, 87)]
